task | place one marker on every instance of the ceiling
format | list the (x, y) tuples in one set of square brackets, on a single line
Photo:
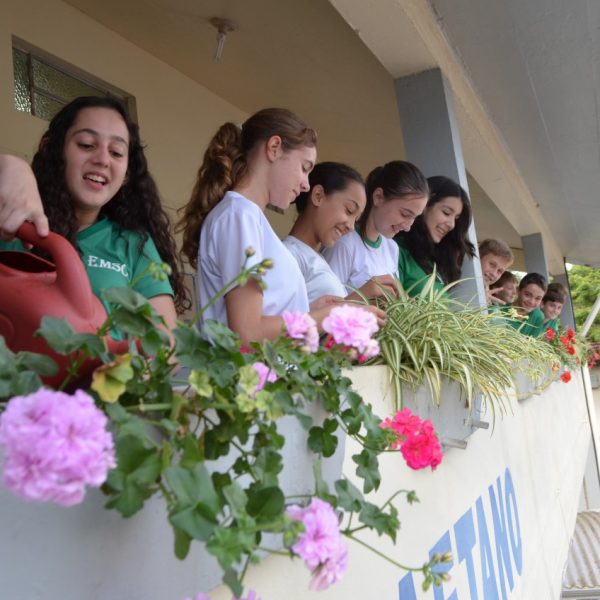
[(532, 65), (285, 53), (535, 65)]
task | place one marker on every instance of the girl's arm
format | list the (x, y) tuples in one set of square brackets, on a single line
[(244, 314), (165, 307)]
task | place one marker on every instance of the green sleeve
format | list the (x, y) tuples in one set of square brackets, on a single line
[(15, 245), (145, 284)]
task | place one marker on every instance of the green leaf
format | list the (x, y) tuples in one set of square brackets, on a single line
[(322, 440), (193, 521), (265, 503), (368, 470), (229, 544), (192, 486), (130, 499), (128, 299), (60, 335), (236, 498), (348, 496), (221, 335), (38, 363), (375, 518), (231, 580), (153, 341), (182, 543), (200, 382)]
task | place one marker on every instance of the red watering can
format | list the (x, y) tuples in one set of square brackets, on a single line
[(31, 288)]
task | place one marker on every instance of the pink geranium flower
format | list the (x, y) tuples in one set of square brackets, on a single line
[(320, 545), (415, 438), (352, 326), (55, 445), (301, 326), (264, 374)]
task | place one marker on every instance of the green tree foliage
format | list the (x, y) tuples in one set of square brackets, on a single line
[(585, 287)]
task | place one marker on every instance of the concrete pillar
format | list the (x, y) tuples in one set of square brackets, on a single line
[(535, 257), (432, 142), (567, 316)]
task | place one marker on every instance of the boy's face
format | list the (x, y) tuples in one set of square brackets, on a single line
[(551, 309), (530, 297), (492, 266), (508, 293)]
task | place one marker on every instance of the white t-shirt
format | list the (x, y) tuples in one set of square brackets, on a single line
[(233, 225), (355, 262), (318, 276)]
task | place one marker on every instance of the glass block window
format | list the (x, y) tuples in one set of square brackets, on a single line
[(43, 86)]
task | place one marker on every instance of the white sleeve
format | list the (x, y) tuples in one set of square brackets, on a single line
[(299, 257), (341, 260), (232, 234)]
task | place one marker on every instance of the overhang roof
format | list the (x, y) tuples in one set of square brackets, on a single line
[(525, 75)]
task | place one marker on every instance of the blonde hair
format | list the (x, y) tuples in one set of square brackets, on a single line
[(497, 248), (225, 164)]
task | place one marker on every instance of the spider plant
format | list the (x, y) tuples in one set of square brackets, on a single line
[(431, 336)]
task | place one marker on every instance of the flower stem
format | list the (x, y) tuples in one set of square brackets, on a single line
[(382, 555)]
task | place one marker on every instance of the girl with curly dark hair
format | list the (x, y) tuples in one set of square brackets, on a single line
[(439, 237), (97, 192)]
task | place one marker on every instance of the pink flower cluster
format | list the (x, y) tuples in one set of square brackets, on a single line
[(320, 545), (264, 374), (353, 327), (301, 326), (55, 445), (416, 439)]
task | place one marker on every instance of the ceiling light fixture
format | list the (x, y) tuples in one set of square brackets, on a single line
[(223, 27)]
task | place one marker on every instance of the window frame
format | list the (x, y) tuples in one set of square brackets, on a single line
[(69, 70)]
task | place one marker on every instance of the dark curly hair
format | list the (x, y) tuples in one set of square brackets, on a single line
[(449, 254), (136, 206)]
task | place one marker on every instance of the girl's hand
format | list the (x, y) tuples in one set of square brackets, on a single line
[(19, 198), (380, 285), (325, 301)]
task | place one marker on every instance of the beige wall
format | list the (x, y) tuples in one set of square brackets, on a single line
[(176, 115)]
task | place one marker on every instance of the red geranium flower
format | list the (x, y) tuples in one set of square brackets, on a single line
[(570, 333), (571, 350), (564, 340), (566, 377), (550, 334)]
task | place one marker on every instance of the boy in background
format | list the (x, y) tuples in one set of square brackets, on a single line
[(505, 289), (552, 304), (495, 257), (532, 289)]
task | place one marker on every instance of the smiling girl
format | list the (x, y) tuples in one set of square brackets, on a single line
[(96, 191), (265, 162), (438, 238), (328, 211), (396, 195)]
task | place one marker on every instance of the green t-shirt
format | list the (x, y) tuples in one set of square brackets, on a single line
[(532, 325), (552, 324), (112, 258), (411, 274)]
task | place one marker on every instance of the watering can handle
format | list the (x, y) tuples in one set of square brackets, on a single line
[(71, 276)]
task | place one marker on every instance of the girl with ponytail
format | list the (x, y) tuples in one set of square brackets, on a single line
[(396, 195), (265, 162)]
